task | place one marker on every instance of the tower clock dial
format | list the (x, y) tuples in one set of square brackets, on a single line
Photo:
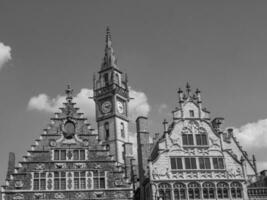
[(106, 107), (120, 107)]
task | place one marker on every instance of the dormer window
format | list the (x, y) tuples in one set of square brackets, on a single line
[(191, 113)]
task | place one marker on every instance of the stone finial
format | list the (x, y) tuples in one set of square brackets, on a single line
[(188, 88), (69, 93), (165, 123)]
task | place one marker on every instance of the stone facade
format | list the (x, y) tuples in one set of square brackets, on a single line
[(71, 160), (193, 158)]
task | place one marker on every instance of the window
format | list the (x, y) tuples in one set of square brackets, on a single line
[(188, 139), (222, 190), (204, 163), (60, 154), (106, 127), (79, 154), (194, 191), (99, 179), (165, 191), (179, 191), (176, 163), (39, 181), (236, 190), (106, 79), (208, 190), (218, 163), (122, 130), (59, 180), (191, 113), (201, 139), (79, 180), (190, 163), (117, 79)]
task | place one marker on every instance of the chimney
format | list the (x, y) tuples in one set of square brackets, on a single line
[(143, 148), (11, 164)]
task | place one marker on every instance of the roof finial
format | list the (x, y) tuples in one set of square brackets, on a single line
[(109, 59), (188, 88), (69, 92)]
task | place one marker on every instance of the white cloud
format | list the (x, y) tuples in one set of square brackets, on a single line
[(138, 105), (253, 135), (42, 102), (5, 54), (261, 165)]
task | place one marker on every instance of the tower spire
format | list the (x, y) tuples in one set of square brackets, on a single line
[(109, 59)]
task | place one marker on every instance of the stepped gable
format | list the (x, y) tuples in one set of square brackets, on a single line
[(68, 148)]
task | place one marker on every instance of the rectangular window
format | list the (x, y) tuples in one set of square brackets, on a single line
[(99, 179), (190, 163), (176, 163), (192, 114), (82, 154), (204, 163), (39, 181), (56, 155), (201, 139), (218, 163), (76, 154), (187, 139), (60, 180), (63, 154)]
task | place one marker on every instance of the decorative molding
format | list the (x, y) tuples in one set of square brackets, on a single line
[(59, 195), (40, 167)]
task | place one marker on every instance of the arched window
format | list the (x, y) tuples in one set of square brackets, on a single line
[(165, 191), (106, 127), (236, 190), (222, 190), (122, 130), (194, 190), (208, 190), (179, 191)]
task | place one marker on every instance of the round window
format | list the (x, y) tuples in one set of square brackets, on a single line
[(69, 130)]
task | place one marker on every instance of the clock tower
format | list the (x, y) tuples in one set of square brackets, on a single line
[(111, 96)]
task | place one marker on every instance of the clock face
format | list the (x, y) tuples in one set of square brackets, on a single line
[(106, 107), (120, 107), (69, 130)]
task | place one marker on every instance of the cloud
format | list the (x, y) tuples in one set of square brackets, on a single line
[(42, 102), (138, 105), (261, 165), (253, 135), (5, 54), (162, 107)]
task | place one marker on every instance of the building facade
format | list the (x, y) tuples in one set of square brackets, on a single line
[(193, 158), (72, 161)]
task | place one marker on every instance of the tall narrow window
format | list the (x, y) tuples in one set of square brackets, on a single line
[(191, 113), (179, 191), (194, 190), (79, 180), (176, 163), (122, 130), (188, 139), (79, 154), (39, 181), (208, 190), (106, 79), (190, 163), (117, 79), (165, 191), (222, 190), (106, 127), (63, 155), (204, 163), (218, 163), (60, 180), (99, 179), (236, 190), (201, 139), (56, 154)]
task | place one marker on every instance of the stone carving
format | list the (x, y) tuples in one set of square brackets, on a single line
[(49, 184), (164, 173), (214, 143), (52, 143), (59, 196), (203, 151), (118, 182), (79, 165), (234, 173), (89, 182), (97, 166), (40, 167), (69, 183), (192, 175), (38, 196), (60, 165), (85, 143), (98, 194), (80, 195), (177, 175), (189, 151), (18, 184), (18, 196)]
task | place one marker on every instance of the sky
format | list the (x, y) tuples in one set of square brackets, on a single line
[(219, 47)]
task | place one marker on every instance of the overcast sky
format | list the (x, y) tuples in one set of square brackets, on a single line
[(219, 47)]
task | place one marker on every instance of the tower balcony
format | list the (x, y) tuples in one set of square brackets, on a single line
[(113, 89)]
